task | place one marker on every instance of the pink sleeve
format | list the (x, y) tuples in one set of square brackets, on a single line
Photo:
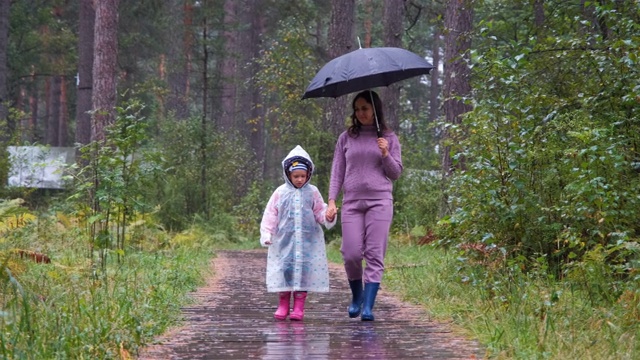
[(392, 164), (320, 210), (338, 167), (319, 207), (269, 222)]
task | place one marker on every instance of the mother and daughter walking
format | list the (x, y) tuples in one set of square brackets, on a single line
[(363, 170)]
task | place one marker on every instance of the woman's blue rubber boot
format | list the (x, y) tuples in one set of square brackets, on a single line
[(356, 300), (370, 292)]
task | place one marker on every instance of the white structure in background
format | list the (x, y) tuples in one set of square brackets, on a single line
[(39, 166)]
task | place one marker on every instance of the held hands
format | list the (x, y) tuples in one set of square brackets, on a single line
[(383, 145), (331, 212)]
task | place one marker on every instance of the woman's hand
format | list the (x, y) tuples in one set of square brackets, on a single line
[(331, 212), (383, 145)]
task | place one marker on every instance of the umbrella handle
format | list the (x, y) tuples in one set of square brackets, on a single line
[(375, 115)]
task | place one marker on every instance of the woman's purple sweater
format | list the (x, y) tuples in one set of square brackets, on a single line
[(360, 171)]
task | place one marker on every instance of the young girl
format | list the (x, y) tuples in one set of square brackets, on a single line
[(296, 260)]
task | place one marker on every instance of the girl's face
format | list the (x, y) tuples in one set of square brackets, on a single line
[(364, 112), (298, 177)]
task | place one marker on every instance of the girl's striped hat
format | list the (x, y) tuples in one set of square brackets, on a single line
[(297, 165)]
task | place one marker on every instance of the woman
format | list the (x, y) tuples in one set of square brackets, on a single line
[(364, 166)]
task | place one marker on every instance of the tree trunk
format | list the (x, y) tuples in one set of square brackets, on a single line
[(434, 103), (179, 57), (203, 121), (47, 109), (104, 67), (47, 138), (54, 111), (63, 117), (33, 108), (229, 66), (457, 32), (258, 114), (538, 13), (4, 90), (367, 23), (393, 16), (24, 119), (85, 71), (341, 41), (247, 43), (252, 126)]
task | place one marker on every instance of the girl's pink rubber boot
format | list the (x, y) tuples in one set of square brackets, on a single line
[(283, 307), (298, 305)]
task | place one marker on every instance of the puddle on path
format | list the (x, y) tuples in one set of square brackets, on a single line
[(234, 320)]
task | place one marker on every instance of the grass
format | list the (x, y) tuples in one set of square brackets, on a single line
[(518, 314), (72, 308)]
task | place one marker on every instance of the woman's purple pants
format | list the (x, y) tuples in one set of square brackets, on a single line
[(365, 233)]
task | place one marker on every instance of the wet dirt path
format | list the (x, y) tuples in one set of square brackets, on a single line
[(233, 319)]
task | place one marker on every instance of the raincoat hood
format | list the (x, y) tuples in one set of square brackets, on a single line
[(297, 154)]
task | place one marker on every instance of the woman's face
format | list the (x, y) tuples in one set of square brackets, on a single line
[(364, 112)]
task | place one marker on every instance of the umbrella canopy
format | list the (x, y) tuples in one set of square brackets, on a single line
[(365, 69)]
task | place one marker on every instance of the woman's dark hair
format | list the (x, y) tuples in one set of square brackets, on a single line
[(367, 95)]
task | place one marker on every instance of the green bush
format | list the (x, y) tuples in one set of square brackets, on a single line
[(201, 174), (67, 309)]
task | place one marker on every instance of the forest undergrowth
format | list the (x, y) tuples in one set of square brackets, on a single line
[(58, 301), (101, 270), (528, 241), (518, 312)]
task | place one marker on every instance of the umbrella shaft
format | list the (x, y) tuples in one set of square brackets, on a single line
[(375, 114)]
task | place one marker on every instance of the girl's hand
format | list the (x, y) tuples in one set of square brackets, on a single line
[(331, 212), (329, 217), (383, 145), (265, 239)]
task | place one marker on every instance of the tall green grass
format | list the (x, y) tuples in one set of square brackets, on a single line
[(71, 309), (520, 313)]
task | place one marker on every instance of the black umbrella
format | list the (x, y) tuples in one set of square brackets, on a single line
[(364, 69)]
